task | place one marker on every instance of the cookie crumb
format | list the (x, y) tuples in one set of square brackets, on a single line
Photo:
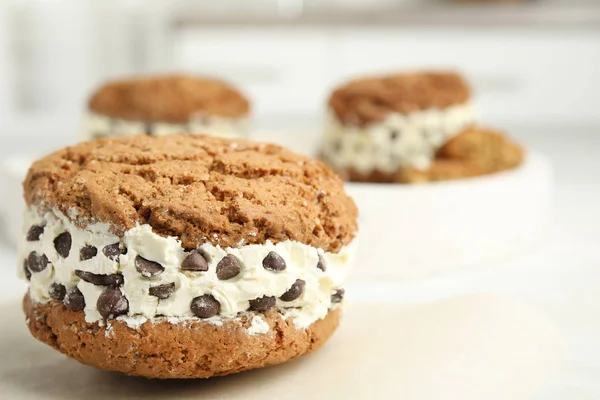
[(258, 326), (108, 331)]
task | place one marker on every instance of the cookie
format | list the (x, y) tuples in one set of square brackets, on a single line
[(491, 150), (377, 126), (167, 104), (474, 152), (369, 100), (138, 240), (160, 349)]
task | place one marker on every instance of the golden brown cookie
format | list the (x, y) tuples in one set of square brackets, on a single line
[(196, 349), (184, 256), (439, 170), (164, 105), (198, 187), (173, 99), (368, 100), (491, 150)]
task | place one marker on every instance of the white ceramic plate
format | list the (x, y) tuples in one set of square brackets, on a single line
[(432, 228)]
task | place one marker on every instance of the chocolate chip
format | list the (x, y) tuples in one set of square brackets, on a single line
[(26, 270), (113, 280), (195, 261), (273, 262), (74, 300), (228, 268), (111, 303), (294, 292), (338, 296), (34, 233), (57, 291), (148, 128), (321, 263), (62, 244), (100, 134), (205, 306), (113, 251), (162, 291), (337, 146), (394, 134), (263, 303), (37, 262), (87, 252), (148, 268)]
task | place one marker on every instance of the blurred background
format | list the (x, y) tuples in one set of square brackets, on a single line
[(532, 63), (534, 66)]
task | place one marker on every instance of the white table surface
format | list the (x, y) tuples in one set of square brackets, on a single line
[(561, 277)]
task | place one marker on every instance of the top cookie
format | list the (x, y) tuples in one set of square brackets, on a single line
[(369, 100), (198, 188), (173, 99)]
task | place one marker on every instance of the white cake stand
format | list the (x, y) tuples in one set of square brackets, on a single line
[(415, 231)]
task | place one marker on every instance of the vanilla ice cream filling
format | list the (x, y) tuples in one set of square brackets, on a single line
[(97, 125), (398, 141), (234, 295)]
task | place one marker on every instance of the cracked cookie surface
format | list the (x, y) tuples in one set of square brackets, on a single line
[(198, 188)]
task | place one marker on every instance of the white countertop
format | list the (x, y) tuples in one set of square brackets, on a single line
[(561, 277)]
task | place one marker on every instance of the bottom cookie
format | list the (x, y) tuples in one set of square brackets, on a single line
[(189, 349), (439, 170)]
